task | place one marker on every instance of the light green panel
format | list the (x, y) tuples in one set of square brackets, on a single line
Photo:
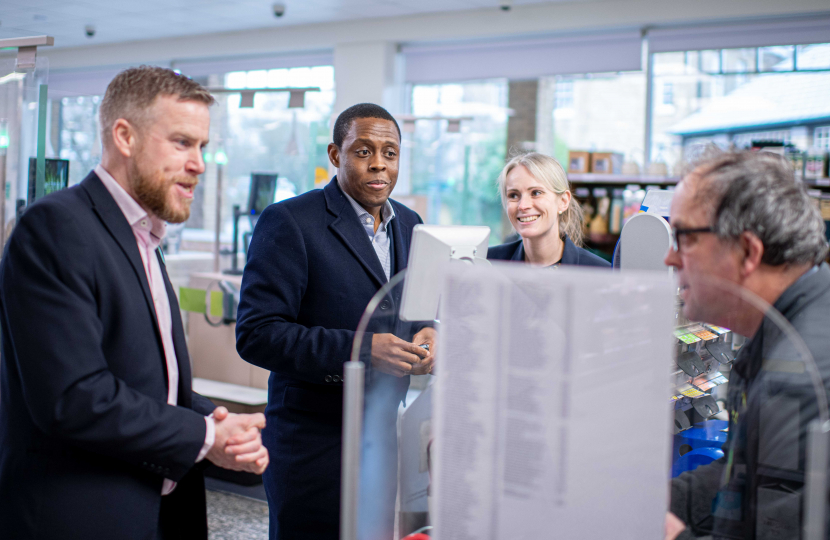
[(195, 300), (40, 167)]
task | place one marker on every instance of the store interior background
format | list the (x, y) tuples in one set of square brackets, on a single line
[(651, 80), (647, 79)]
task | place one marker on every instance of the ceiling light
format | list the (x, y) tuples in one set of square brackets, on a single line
[(12, 77)]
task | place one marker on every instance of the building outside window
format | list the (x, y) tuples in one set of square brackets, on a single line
[(821, 137), (767, 93), (79, 134), (606, 114), (564, 94), (267, 138), (668, 93)]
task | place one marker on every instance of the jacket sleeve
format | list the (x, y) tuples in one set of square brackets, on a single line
[(273, 285), (692, 494), (202, 405), (50, 313)]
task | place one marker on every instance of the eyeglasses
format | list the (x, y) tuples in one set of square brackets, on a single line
[(677, 233)]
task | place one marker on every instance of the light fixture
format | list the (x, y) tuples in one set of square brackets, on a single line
[(246, 99), (453, 122), (221, 157), (296, 98), (26, 50)]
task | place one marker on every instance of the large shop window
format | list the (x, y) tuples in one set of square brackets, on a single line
[(740, 98), (599, 112), (270, 138), (267, 138), (79, 134), (453, 175)]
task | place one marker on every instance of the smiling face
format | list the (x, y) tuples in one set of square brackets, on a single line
[(705, 265), (164, 168), (533, 208), (367, 161)]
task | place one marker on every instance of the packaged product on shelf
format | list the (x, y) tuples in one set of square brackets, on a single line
[(824, 206), (606, 163), (633, 196), (583, 196), (599, 224), (616, 218), (796, 158), (579, 161), (814, 164)]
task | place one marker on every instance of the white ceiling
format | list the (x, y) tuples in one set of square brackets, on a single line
[(131, 20)]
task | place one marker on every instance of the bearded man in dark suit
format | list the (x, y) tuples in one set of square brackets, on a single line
[(101, 434)]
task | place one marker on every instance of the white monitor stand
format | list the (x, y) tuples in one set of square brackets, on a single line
[(432, 249)]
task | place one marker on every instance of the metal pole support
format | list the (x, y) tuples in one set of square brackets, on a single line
[(353, 387), (815, 485), (218, 214)]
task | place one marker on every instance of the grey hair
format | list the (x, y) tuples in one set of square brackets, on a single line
[(550, 173), (757, 192)]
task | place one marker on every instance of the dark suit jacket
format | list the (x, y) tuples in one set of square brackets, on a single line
[(571, 255), (311, 272), (86, 435)]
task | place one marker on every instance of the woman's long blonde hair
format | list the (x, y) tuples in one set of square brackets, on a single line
[(550, 173)]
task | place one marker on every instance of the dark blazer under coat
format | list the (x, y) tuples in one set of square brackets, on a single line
[(86, 435), (571, 255), (311, 271)]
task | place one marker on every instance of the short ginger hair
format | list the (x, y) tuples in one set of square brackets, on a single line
[(133, 91)]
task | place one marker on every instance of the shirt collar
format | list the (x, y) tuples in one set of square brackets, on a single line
[(386, 211), (136, 216)]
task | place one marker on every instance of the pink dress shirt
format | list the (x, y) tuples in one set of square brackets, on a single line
[(148, 231)]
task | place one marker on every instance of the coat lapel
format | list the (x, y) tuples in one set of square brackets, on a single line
[(519, 254), (113, 219), (347, 227), (400, 243)]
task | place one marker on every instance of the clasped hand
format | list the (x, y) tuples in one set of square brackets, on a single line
[(395, 356), (238, 443)]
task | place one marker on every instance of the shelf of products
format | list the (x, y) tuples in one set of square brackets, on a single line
[(621, 179), (704, 356)]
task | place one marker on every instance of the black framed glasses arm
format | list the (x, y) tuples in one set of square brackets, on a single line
[(677, 233)]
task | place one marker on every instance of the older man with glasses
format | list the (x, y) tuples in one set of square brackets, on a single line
[(742, 227)]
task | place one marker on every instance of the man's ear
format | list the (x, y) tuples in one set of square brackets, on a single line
[(123, 137), (334, 155), (753, 251)]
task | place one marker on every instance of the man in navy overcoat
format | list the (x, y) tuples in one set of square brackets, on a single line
[(314, 263)]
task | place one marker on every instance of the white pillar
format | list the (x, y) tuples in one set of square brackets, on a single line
[(372, 72), (369, 72)]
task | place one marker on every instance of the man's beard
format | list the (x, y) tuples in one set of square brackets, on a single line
[(152, 192)]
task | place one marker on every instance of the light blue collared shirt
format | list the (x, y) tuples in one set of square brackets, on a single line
[(382, 239)]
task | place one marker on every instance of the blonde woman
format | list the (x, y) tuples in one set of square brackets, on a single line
[(537, 201)]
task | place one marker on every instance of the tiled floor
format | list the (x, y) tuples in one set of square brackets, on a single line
[(234, 517)]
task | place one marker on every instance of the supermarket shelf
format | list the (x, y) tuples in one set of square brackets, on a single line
[(606, 179)]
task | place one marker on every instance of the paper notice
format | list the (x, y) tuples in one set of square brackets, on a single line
[(550, 412)]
